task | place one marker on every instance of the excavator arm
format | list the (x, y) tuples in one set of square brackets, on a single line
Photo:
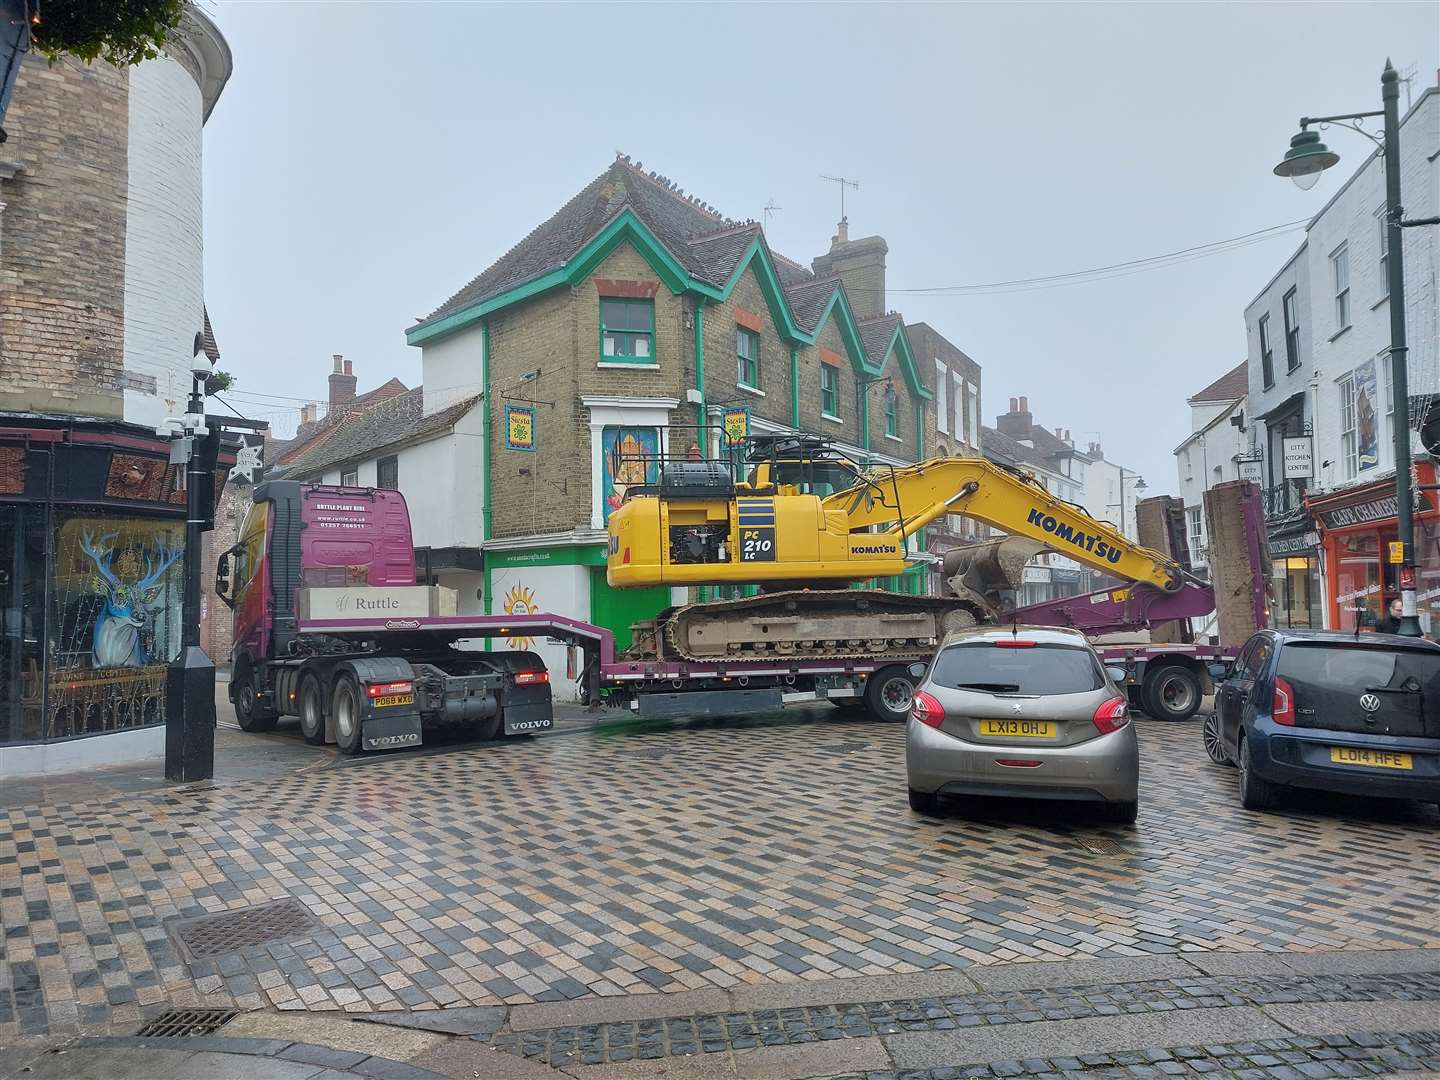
[(905, 500)]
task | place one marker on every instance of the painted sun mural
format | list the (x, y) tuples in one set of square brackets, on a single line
[(520, 600)]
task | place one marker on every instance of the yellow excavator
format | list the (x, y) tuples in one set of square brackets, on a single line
[(794, 516)]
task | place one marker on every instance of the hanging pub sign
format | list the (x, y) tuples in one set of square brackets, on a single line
[(735, 427), (1299, 453), (249, 458), (520, 427)]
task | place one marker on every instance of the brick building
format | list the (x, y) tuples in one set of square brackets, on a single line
[(101, 311), (631, 323)]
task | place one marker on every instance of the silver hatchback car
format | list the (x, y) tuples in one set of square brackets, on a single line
[(1027, 712)]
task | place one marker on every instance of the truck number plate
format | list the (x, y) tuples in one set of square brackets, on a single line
[(394, 699)]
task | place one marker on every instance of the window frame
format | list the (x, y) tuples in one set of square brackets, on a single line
[(1349, 428), (1383, 261), (891, 405), (833, 391), (1292, 328), (942, 410), (745, 334), (632, 358), (1267, 354), (1342, 292), (391, 461), (354, 477)]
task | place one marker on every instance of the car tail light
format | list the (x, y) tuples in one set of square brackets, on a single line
[(927, 710), (1014, 643), (1282, 708), (1112, 715), (379, 688), (529, 678)]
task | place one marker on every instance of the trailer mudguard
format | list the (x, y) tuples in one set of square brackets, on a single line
[(386, 727)]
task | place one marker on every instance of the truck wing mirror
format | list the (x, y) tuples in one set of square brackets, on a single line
[(222, 579)]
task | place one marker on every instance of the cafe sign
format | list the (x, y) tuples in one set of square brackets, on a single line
[(1380, 509)]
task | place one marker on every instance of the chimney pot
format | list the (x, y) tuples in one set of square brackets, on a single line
[(342, 385), (348, 371), (339, 363), (1014, 404), (1024, 404)]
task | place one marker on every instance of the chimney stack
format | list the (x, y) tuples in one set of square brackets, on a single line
[(342, 385), (860, 265), (1016, 423)]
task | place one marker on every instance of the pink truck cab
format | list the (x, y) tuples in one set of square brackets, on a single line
[(311, 560)]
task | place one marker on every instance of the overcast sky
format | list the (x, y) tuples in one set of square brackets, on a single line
[(368, 159)]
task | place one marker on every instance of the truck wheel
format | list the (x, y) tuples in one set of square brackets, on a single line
[(346, 707), (312, 710), (889, 693), (249, 713), (489, 728), (1172, 692)]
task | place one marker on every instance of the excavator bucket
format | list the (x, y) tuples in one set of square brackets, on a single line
[(984, 573)]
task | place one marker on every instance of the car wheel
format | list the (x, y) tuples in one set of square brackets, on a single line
[(1255, 793), (1121, 813), (345, 706), (1172, 692), (312, 710), (924, 802), (1214, 745), (889, 693), (249, 713)]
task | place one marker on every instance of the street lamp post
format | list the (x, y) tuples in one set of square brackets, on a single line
[(1303, 163), (1139, 487)]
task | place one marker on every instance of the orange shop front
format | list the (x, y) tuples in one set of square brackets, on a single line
[(1357, 526)]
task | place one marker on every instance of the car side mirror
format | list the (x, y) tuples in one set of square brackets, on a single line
[(1117, 674), (1218, 672), (917, 671)]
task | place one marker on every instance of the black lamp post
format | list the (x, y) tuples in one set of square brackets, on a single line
[(190, 679), (1306, 159)]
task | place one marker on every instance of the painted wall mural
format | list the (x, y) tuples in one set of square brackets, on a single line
[(630, 456), (520, 600)]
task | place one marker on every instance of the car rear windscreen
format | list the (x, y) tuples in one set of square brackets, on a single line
[(1037, 669), (1330, 679)]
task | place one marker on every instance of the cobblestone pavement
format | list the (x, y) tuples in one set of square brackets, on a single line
[(1301, 1058), (593, 1044), (620, 859)]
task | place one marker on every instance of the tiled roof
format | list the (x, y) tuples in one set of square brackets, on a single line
[(297, 446), (808, 300), (393, 421), (1232, 386), (876, 335), (1008, 450), (715, 257)]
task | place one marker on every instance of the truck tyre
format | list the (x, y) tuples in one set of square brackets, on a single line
[(249, 713), (311, 700), (1255, 793), (489, 728), (346, 706), (889, 693), (1172, 692)]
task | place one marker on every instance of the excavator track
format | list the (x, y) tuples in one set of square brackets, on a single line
[(858, 624)]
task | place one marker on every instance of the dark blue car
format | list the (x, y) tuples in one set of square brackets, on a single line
[(1331, 711)]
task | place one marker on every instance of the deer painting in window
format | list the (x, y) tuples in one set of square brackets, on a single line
[(116, 641)]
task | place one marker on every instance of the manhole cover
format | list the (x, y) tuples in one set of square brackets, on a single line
[(230, 931), (183, 1023), (1100, 845), (848, 747)]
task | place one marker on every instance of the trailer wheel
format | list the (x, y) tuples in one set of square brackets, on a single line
[(249, 713), (889, 693), (345, 706), (312, 710), (1171, 692)]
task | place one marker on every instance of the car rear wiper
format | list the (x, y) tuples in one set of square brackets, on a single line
[(1409, 686), (992, 687)]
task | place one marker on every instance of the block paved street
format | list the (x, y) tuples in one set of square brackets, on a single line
[(614, 860)]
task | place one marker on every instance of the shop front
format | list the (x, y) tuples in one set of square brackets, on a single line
[(1357, 528), (92, 538), (1296, 584)]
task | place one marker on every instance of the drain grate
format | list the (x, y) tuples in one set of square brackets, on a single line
[(1100, 846), (231, 931), (184, 1023)]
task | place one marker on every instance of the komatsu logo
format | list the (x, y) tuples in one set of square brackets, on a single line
[(1083, 540), (875, 549)]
